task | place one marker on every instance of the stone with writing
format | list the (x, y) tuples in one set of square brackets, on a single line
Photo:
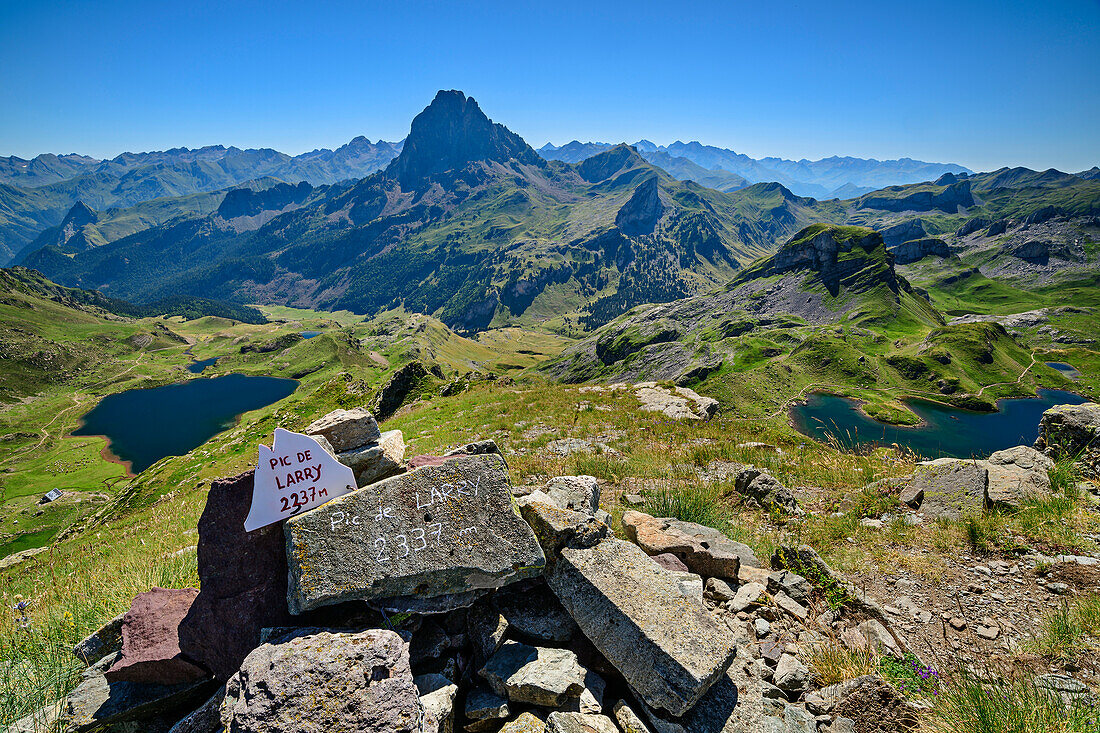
[(435, 531), (295, 474)]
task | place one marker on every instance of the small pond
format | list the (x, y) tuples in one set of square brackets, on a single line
[(1066, 369), (310, 334), (198, 367), (946, 431), (145, 425)]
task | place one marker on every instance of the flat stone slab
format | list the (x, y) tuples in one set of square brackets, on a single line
[(666, 646), (952, 487), (438, 530), (96, 703)]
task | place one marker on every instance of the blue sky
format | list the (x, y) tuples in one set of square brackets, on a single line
[(983, 84)]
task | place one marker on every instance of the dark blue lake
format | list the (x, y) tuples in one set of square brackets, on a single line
[(198, 367), (145, 425), (310, 334), (945, 432)]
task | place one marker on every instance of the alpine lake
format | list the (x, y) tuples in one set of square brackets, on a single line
[(145, 425), (944, 431)]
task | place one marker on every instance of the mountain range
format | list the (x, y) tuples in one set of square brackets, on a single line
[(36, 194), (470, 224), (833, 177)]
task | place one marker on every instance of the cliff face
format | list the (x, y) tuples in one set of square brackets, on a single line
[(640, 214), (918, 249), (451, 132), (925, 198), (834, 255)]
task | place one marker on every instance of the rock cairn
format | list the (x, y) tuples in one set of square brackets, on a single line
[(436, 598)]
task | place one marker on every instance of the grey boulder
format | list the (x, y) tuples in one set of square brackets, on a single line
[(331, 682), (534, 675), (952, 487), (346, 429), (376, 461)]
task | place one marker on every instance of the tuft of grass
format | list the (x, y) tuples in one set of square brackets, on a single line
[(996, 705), (1071, 631), (692, 503), (80, 591), (831, 662), (1064, 477)]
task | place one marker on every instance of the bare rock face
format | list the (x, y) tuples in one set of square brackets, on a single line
[(623, 601), (353, 683), (242, 577), (436, 531), (1072, 431), (393, 393), (640, 214), (150, 640)]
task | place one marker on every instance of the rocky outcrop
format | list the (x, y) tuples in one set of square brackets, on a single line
[(398, 388), (1073, 432), (917, 249), (920, 197), (903, 231), (970, 226), (640, 214)]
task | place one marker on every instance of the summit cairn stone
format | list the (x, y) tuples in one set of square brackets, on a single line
[(346, 429), (335, 681), (357, 443), (242, 579), (625, 604), (437, 531)]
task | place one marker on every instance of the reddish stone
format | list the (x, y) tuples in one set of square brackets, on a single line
[(668, 561), (243, 576), (150, 640), (423, 461)]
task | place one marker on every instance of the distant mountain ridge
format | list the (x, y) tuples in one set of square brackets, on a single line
[(37, 194), (468, 223), (833, 177)]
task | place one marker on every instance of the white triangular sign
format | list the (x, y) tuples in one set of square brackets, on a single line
[(293, 475)]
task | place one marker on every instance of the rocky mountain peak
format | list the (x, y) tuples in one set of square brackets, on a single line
[(604, 165), (451, 132), (79, 215)]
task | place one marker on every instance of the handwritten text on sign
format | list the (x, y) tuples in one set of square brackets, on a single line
[(399, 542), (294, 475)]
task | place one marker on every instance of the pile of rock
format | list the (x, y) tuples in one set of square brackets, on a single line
[(435, 599)]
